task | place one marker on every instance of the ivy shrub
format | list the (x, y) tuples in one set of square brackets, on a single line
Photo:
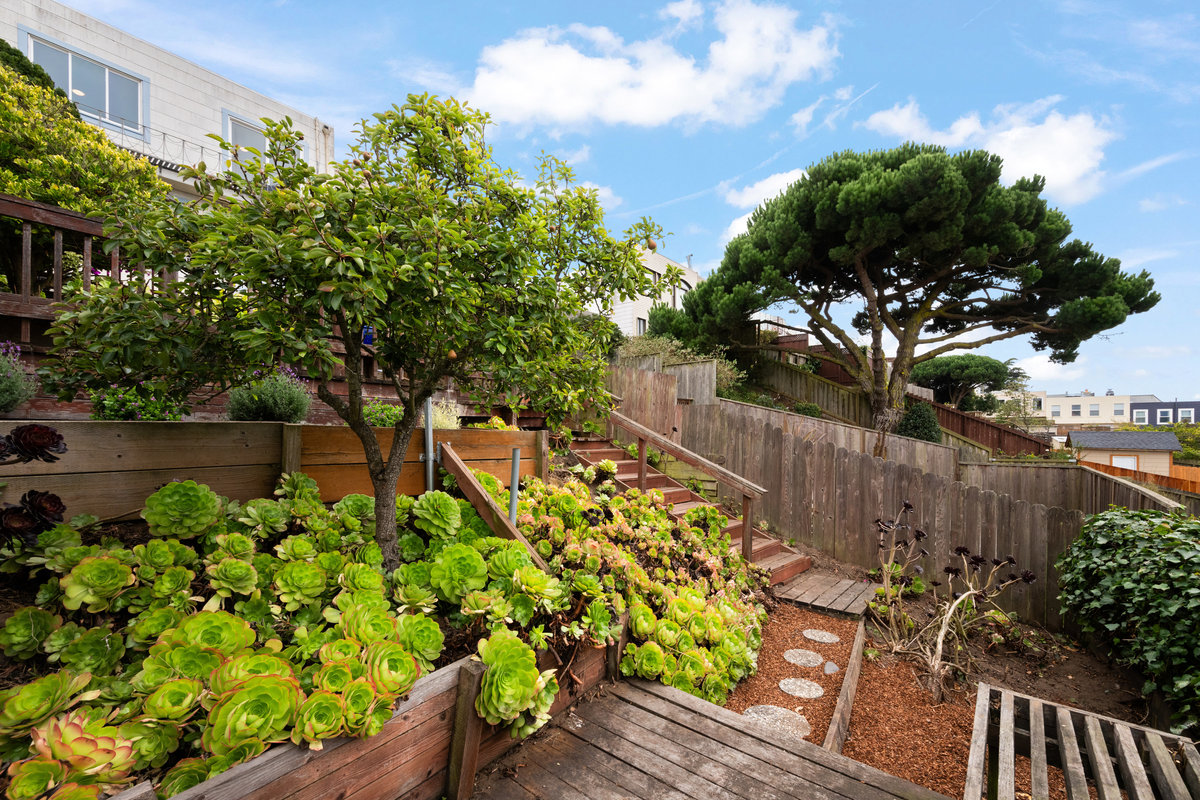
[(278, 397), (1133, 578), (381, 414), (808, 409), (133, 404), (920, 422)]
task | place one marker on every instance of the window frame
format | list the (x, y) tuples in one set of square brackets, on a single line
[(1141, 416), (1191, 416), (1093, 409), (1055, 411), (640, 325), (1163, 416), (27, 37), (1077, 409), (1118, 409)]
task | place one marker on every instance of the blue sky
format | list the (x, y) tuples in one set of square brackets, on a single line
[(693, 112)]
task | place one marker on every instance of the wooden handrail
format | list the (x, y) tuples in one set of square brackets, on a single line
[(491, 512), (752, 490)]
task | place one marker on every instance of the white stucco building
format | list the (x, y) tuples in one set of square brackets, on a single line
[(632, 316), (147, 99)]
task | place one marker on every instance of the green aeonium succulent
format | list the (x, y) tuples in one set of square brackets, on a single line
[(437, 514), (23, 707), (97, 651), (458, 569), (262, 707), (299, 583), (96, 581), (263, 517), (183, 776), (226, 677), (145, 629), (232, 576), (25, 631), (174, 701), (360, 577), (153, 741), (511, 682), (366, 711), (322, 716), (34, 778), (182, 509), (390, 667), (218, 630), (94, 753), (421, 636)]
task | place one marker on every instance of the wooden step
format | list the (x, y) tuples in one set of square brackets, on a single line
[(764, 546), (654, 480), (785, 565), (598, 443), (593, 454), (677, 494), (682, 508)]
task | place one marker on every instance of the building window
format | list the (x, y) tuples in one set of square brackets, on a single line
[(1093, 409), (1139, 416), (243, 134), (100, 92), (1056, 411), (1187, 415), (1118, 409), (1037, 404), (1076, 410), (641, 327), (1164, 416)]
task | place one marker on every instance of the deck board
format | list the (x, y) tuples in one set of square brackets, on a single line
[(646, 741), (828, 593)]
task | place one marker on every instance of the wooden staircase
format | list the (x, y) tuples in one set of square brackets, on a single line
[(783, 562)]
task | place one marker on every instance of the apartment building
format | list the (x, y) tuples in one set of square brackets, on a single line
[(633, 316)]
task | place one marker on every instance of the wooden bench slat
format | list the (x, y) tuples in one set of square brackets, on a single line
[(976, 763), (1103, 776), (1039, 777), (568, 769), (796, 586), (633, 780), (1072, 761), (1129, 761), (1166, 776), (1006, 786)]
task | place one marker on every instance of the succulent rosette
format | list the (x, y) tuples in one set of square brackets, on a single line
[(145, 629), (45, 507), (421, 636), (437, 514), (667, 633), (360, 577), (33, 443), (504, 562), (412, 547), (74, 791), (264, 517), (167, 661), (157, 555), (97, 650), (299, 583), (359, 506), (321, 716), (331, 561), (459, 569), (366, 712), (25, 630), (416, 573), (153, 741), (335, 676), (538, 714), (23, 707), (174, 581), (93, 752), (174, 701), (338, 650), (218, 630), (297, 548), (34, 778), (413, 599), (182, 509), (233, 545), (183, 776), (96, 581), (241, 753), (226, 677), (262, 707), (511, 682), (642, 621), (390, 667), (231, 576), (368, 623)]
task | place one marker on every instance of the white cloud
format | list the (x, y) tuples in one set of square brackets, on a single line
[(574, 157), (735, 228), (1032, 138), (1160, 202), (1141, 256), (685, 14), (1152, 164), (608, 198), (770, 186), (804, 117), (424, 74), (1041, 369), (578, 75)]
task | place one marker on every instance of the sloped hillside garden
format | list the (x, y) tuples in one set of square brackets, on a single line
[(174, 652)]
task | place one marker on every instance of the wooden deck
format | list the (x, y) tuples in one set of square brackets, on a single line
[(645, 740), (828, 593), (1099, 756)]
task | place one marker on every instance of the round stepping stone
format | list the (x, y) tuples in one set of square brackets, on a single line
[(824, 637), (830, 667), (799, 687), (782, 718), (803, 658)]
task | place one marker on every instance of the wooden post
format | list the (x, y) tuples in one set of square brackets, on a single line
[(641, 464), (747, 528), (468, 730), (541, 455), (616, 647), (292, 444)]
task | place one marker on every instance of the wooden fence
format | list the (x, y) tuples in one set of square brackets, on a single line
[(995, 437), (110, 468), (840, 402), (828, 497), (648, 398), (697, 381), (1177, 482), (1072, 486), (710, 432)]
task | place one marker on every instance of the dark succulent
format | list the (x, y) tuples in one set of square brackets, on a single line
[(45, 506), (962, 550), (34, 442), (17, 524)]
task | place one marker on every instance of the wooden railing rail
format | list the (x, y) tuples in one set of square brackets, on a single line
[(750, 491)]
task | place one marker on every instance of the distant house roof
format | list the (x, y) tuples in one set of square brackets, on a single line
[(1124, 440)]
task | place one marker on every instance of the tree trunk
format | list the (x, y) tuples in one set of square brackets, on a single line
[(384, 483)]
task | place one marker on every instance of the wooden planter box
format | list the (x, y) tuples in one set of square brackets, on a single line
[(410, 758)]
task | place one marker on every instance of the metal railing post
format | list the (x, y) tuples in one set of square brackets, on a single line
[(641, 464), (514, 484), (429, 444)]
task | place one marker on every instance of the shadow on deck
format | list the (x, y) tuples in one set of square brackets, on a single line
[(645, 740)]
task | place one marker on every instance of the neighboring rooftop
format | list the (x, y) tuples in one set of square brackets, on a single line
[(1124, 440)]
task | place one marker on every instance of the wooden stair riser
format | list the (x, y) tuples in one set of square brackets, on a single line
[(599, 454)]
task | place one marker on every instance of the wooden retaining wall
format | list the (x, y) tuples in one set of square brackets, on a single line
[(648, 398), (110, 468), (1072, 486), (1177, 482), (841, 402), (697, 381)]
